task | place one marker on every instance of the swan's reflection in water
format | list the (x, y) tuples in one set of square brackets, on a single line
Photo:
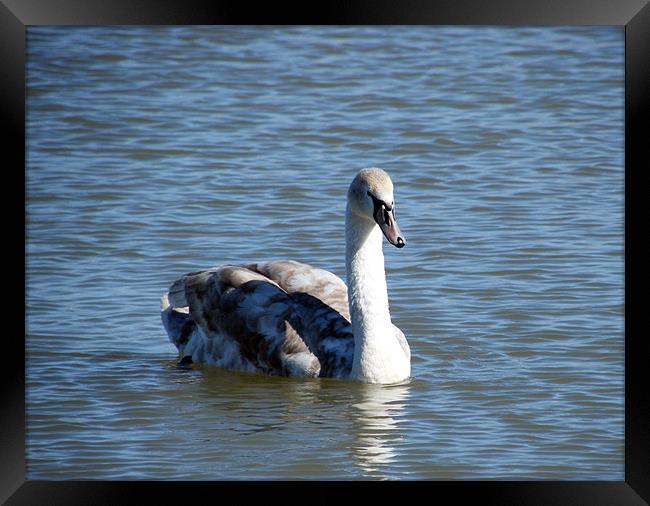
[(304, 428), (376, 418)]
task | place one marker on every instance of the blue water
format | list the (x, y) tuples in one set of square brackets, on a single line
[(155, 151)]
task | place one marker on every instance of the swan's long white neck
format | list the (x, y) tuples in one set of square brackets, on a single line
[(378, 356)]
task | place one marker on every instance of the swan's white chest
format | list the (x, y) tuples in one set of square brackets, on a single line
[(385, 362)]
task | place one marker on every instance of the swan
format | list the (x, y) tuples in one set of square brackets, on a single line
[(291, 319)]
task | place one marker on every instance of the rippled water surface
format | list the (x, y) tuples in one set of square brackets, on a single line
[(155, 151)]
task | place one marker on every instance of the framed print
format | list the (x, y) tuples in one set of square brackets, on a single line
[(174, 157)]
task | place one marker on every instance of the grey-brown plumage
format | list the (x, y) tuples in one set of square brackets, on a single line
[(285, 318)]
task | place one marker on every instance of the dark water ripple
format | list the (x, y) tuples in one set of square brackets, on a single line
[(153, 151)]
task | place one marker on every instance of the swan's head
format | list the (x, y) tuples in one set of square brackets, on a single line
[(370, 196)]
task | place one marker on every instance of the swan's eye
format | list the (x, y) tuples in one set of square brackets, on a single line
[(382, 206), (375, 201), (386, 216)]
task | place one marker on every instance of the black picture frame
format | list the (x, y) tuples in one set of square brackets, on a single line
[(634, 15)]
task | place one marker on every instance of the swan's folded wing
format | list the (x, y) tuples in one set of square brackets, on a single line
[(321, 314), (327, 333), (246, 307), (298, 277)]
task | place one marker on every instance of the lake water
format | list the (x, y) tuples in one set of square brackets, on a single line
[(155, 151)]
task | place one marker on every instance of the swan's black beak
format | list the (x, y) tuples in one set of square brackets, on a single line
[(385, 218)]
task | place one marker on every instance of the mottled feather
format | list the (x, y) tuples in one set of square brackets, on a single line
[(282, 317)]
